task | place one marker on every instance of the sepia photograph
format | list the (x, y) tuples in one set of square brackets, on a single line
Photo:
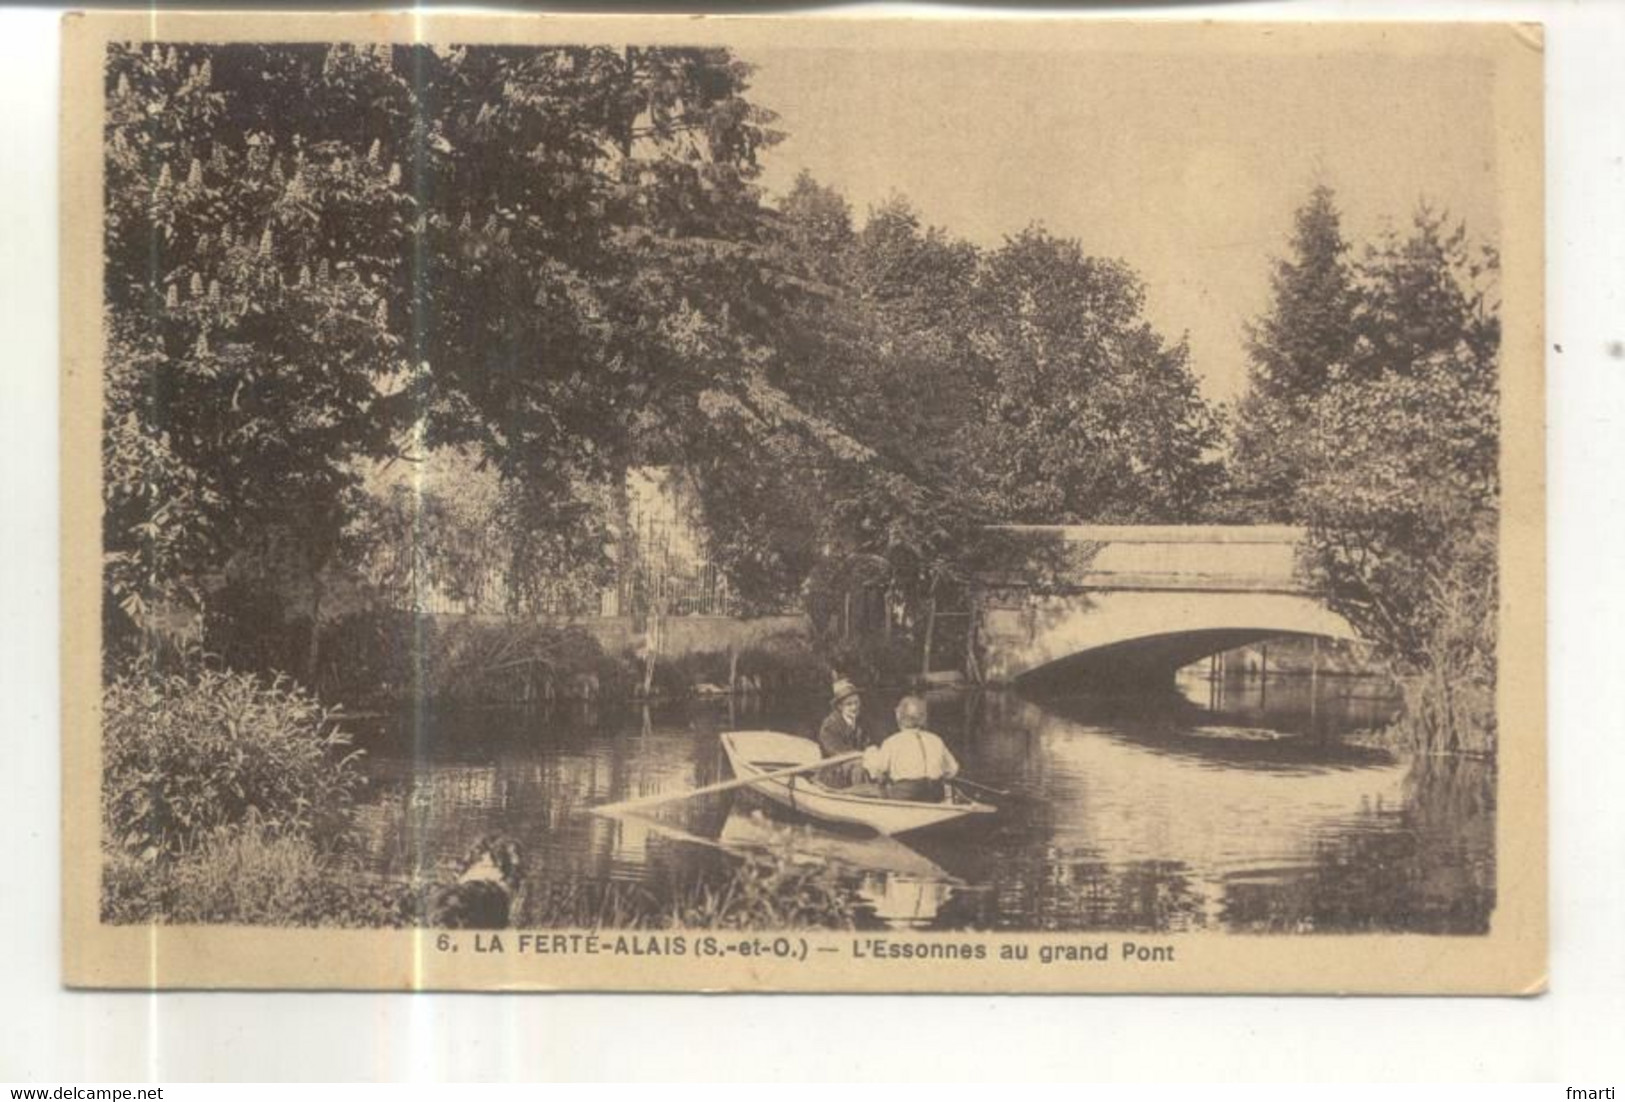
[(803, 504)]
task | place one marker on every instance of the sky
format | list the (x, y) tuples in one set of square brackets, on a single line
[(1187, 165)]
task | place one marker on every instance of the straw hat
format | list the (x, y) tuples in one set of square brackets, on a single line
[(843, 689)]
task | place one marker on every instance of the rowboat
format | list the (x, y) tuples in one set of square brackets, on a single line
[(755, 753)]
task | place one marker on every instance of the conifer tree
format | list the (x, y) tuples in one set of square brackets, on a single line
[(1299, 348)]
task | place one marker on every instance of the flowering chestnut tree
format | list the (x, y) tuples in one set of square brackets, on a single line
[(317, 255)]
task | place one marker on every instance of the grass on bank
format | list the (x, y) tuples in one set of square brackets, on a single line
[(247, 877)]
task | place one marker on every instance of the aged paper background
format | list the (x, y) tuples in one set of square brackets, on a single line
[(1509, 960)]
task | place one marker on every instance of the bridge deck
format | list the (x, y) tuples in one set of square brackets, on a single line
[(1197, 558), (1164, 533)]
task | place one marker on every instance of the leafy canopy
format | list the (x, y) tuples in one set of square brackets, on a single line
[(325, 254)]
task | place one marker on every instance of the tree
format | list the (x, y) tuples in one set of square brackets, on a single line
[(1089, 414), (938, 390), (246, 287), (1371, 416), (1402, 490), (816, 224), (322, 255), (1429, 292), (1297, 347), (1297, 350)]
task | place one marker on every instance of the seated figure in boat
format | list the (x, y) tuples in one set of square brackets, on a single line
[(913, 763), (841, 733)]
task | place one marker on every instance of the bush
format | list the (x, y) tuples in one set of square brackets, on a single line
[(876, 661), (785, 663), (1444, 714), (513, 662), (769, 892), (364, 655), (186, 754), (245, 875), (764, 891), (779, 664), (1448, 674)]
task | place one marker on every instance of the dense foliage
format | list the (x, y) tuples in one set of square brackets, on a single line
[(248, 876), (1373, 418), (325, 260), (968, 388), (553, 265), (321, 255), (184, 756)]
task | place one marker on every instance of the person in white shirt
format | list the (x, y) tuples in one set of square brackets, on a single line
[(913, 763)]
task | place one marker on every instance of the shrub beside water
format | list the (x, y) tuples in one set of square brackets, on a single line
[(223, 800), (376, 656), (371, 655), (1449, 679), (768, 892), (244, 875), (185, 754), (1446, 715), (875, 661), (756, 891)]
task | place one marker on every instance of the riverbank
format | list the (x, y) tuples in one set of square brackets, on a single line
[(376, 660), (230, 800), (246, 877), (1438, 719)]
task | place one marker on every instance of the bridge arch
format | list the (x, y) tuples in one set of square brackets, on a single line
[(1140, 602)]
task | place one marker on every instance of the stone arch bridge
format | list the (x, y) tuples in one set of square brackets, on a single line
[(1120, 604)]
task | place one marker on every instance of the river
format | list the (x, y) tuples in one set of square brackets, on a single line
[(1247, 804)]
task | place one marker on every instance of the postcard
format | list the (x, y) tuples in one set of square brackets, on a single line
[(802, 503)]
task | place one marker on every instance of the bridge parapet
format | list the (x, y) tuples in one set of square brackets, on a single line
[(1202, 558)]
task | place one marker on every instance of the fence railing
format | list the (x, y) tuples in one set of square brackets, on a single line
[(697, 588)]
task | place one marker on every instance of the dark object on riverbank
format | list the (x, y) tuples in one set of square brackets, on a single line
[(482, 898)]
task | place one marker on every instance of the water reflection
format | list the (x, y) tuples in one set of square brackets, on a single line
[(1323, 705), (1237, 806), (898, 885), (1430, 870)]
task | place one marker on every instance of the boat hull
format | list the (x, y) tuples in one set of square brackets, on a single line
[(756, 752)]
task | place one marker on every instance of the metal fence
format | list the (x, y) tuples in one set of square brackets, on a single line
[(662, 574)]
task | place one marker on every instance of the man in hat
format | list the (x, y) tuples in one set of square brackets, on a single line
[(841, 733)]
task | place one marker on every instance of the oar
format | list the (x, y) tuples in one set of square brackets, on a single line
[(722, 786), (989, 789)]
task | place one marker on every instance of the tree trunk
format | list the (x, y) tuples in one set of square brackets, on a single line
[(631, 57), (930, 630), (313, 647), (626, 549), (973, 668), (653, 640)]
